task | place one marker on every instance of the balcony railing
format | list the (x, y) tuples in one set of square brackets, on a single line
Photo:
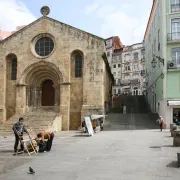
[(173, 36), (135, 81), (175, 7), (125, 82)]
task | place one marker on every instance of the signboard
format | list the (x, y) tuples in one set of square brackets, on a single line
[(89, 125)]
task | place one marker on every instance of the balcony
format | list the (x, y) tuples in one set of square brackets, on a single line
[(125, 82), (135, 81), (175, 7), (173, 37)]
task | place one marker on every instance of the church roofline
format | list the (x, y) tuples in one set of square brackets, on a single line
[(51, 19)]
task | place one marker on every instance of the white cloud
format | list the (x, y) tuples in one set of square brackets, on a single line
[(14, 13), (119, 18)]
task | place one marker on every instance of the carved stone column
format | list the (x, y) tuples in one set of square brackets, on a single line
[(38, 96), (27, 95)]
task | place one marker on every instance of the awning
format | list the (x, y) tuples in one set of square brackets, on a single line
[(174, 103), (97, 116)]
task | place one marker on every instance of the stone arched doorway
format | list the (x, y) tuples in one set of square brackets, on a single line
[(48, 93), (42, 82)]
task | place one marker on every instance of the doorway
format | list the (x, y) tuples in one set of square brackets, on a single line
[(135, 91), (48, 93)]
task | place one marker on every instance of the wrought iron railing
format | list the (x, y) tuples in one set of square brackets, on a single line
[(173, 36), (175, 7)]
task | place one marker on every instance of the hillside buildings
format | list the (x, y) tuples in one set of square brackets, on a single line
[(128, 68)]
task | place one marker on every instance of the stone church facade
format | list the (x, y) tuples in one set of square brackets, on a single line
[(49, 64)]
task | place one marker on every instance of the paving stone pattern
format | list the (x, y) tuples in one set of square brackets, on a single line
[(109, 155)]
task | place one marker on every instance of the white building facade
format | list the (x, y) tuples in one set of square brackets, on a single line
[(128, 68)]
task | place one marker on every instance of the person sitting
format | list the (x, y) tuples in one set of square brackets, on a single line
[(46, 135)]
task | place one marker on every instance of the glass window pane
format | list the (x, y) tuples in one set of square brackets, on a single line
[(44, 46)]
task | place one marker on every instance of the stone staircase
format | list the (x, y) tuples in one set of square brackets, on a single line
[(37, 121)]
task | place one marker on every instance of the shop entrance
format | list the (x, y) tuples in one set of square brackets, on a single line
[(176, 116)]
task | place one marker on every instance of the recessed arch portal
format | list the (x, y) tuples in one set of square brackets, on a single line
[(42, 81)]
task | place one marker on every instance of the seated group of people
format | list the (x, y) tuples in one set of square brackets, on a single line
[(44, 139)]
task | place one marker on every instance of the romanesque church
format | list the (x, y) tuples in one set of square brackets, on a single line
[(49, 66)]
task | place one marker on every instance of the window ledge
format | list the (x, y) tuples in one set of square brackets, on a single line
[(174, 70), (172, 13)]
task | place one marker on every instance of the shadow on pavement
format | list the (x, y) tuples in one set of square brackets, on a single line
[(173, 164)]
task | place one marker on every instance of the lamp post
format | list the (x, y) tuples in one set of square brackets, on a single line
[(154, 62)]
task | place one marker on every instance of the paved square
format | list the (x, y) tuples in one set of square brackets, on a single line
[(108, 155)]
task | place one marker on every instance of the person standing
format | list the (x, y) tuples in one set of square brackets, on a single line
[(19, 129), (161, 122)]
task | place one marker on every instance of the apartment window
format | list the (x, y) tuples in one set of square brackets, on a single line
[(159, 40), (175, 29), (78, 66), (119, 81), (129, 68), (136, 67), (14, 69), (119, 65), (155, 46), (176, 55), (152, 49), (127, 57), (114, 66), (114, 73), (119, 91), (136, 56), (175, 5)]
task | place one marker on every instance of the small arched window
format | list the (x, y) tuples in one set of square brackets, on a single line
[(78, 65), (14, 68)]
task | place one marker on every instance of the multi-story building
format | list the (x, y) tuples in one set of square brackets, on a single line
[(133, 63), (128, 70), (112, 44), (116, 70), (162, 44)]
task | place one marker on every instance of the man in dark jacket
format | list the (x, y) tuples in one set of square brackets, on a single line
[(19, 129)]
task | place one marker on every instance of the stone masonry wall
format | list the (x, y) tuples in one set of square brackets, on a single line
[(86, 94)]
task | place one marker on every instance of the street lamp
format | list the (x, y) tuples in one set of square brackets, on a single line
[(154, 62)]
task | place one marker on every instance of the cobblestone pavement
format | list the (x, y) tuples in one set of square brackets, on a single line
[(108, 155)]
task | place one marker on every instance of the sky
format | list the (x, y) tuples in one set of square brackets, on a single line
[(105, 18)]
